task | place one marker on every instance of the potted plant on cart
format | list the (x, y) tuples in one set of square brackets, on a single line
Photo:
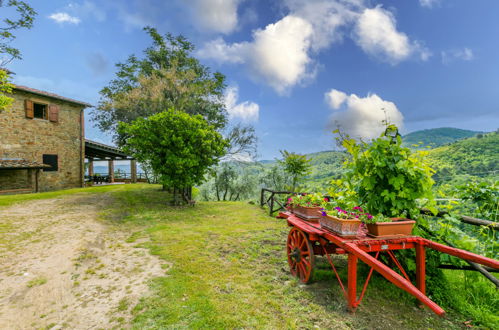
[(381, 226), (339, 221), (306, 206)]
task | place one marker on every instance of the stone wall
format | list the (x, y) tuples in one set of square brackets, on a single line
[(30, 139), (14, 179)]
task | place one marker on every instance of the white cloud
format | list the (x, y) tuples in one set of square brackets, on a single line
[(282, 54), (327, 18), (361, 117), (245, 111), (428, 3), (277, 55), (465, 54), (376, 33), (219, 51), (215, 15), (335, 98), (62, 18)]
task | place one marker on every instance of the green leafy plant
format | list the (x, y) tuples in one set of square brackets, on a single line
[(297, 166), (306, 200), (179, 147), (386, 177), (484, 195), (368, 218), (5, 88), (25, 19)]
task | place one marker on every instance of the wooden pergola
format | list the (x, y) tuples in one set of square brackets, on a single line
[(95, 151)]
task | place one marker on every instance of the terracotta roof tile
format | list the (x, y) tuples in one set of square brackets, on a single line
[(52, 95)]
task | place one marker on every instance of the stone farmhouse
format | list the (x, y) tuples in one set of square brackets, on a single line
[(43, 146)]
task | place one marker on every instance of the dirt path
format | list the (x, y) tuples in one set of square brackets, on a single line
[(60, 267)]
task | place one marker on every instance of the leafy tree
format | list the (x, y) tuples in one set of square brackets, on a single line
[(5, 87), (178, 146), (275, 178), (232, 183), (25, 20), (169, 76), (297, 166), (387, 177), (7, 52)]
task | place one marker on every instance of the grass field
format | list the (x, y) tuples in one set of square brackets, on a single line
[(229, 270)]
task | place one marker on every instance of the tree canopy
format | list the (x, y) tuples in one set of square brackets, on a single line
[(297, 166), (9, 25), (178, 146), (167, 76)]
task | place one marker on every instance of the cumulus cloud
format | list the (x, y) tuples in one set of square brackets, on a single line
[(277, 54), (465, 54), (327, 18), (245, 111), (215, 15), (282, 54), (335, 98), (376, 33), (62, 18), (361, 117)]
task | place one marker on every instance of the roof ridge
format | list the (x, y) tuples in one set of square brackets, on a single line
[(49, 94)]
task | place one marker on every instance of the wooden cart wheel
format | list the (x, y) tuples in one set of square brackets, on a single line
[(301, 257)]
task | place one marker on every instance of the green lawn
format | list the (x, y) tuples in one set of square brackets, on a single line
[(229, 270)]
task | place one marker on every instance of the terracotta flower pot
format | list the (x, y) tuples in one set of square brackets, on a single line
[(342, 227), (307, 213), (397, 227)]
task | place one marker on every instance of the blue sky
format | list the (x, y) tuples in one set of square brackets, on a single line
[(296, 69)]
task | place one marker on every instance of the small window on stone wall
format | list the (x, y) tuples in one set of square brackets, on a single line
[(40, 111), (52, 161)]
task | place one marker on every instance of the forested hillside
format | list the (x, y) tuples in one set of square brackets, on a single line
[(435, 137), (476, 157), (455, 163)]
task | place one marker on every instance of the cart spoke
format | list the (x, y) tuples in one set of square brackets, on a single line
[(300, 255)]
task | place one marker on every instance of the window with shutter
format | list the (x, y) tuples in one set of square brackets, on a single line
[(29, 109), (54, 113)]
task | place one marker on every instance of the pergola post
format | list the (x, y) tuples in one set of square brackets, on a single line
[(133, 168), (37, 174), (90, 166), (30, 179), (111, 170)]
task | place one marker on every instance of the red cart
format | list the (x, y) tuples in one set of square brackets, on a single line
[(307, 239)]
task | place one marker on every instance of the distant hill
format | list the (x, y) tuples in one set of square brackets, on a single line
[(476, 157), (436, 137)]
